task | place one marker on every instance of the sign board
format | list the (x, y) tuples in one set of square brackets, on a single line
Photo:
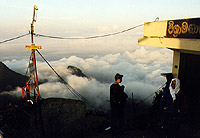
[(184, 28), (33, 47)]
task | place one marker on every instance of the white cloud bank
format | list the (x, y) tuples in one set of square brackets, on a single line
[(141, 69)]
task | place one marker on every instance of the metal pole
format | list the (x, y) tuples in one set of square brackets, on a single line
[(33, 52)]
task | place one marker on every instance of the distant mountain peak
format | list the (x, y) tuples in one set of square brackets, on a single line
[(76, 71)]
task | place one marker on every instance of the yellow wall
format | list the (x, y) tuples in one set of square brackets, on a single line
[(176, 63)]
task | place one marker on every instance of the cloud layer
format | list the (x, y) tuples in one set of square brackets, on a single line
[(141, 69)]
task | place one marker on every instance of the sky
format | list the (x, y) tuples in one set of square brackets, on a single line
[(81, 18), (99, 58)]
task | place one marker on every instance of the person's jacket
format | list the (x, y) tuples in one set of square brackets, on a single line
[(167, 104), (117, 95)]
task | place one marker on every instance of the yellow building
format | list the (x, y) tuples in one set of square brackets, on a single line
[(183, 37)]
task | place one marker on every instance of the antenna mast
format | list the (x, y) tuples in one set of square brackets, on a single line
[(32, 84)]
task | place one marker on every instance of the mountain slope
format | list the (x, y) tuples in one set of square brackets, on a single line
[(9, 79)]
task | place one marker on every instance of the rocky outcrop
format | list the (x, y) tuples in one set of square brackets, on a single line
[(76, 71)]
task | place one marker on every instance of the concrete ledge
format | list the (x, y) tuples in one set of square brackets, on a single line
[(59, 112)]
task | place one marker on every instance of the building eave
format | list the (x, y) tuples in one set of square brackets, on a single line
[(171, 43), (181, 34)]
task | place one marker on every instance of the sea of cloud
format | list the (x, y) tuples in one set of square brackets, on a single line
[(141, 68)]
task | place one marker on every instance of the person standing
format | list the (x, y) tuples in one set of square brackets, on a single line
[(172, 102), (117, 103)]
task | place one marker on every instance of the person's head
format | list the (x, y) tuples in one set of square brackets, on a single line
[(175, 83), (169, 77), (118, 78)]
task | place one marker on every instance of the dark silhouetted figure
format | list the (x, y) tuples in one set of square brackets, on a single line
[(172, 106), (117, 103)]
